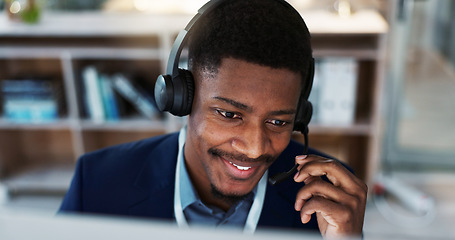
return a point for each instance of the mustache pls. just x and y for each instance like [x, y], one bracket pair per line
[266, 158]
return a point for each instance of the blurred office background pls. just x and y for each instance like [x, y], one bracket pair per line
[384, 96]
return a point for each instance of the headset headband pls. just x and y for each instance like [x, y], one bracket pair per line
[174, 56]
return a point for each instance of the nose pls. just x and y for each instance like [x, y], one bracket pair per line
[251, 141]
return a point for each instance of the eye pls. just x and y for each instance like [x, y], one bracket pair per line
[227, 114]
[278, 123]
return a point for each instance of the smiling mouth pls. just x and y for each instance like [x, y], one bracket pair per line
[240, 167]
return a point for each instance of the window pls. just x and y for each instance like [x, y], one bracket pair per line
[420, 130]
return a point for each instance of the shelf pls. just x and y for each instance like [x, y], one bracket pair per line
[97, 138]
[125, 125]
[56, 24]
[360, 22]
[86, 52]
[359, 46]
[26, 148]
[59, 124]
[357, 54]
[132, 24]
[47, 180]
[47, 68]
[358, 129]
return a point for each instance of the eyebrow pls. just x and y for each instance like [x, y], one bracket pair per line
[235, 104]
[283, 112]
[244, 107]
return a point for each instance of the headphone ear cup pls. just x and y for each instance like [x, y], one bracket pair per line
[303, 116]
[187, 92]
[175, 94]
[308, 113]
[164, 93]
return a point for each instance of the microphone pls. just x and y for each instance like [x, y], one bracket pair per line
[277, 178]
[280, 177]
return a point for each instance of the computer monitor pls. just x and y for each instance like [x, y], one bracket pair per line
[28, 225]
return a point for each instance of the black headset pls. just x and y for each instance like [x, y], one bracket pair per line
[174, 91]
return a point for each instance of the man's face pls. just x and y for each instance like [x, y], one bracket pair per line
[241, 120]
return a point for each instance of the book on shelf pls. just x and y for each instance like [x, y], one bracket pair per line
[136, 95]
[92, 94]
[28, 100]
[109, 98]
[105, 94]
[335, 91]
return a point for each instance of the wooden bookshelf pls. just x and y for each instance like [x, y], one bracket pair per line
[61, 45]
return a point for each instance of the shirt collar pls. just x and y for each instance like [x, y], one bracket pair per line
[187, 192]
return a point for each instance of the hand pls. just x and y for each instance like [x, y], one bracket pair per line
[338, 204]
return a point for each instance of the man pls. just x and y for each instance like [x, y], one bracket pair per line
[249, 61]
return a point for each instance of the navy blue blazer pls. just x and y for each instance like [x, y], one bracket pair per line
[137, 180]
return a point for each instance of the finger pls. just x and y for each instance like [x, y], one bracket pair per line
[300, 201]
[318, 166]
[334, 214]
[305, 218]
[303, 159]
[338, 218]
[337, 174]
[300, 160]
[321, 188]
[309, 180]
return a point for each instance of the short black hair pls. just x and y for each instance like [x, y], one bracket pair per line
[265, 32]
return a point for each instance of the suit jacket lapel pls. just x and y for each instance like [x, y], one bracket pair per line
[277, 209]
[154, 186]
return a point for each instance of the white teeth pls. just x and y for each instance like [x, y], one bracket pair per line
[240, 167]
